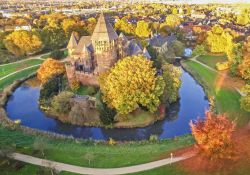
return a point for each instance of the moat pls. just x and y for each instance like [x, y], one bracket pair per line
[23, 105]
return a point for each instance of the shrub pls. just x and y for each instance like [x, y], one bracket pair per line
[111, 141]
[74, 85]
[76, 114]
[91, 90]
[222, 66]
[57, 54]
[214, 135]
[244, 69]
[61, 102]
[245, 100]
[199, 50]
[107, 115]
[153, 138]
[52, 87]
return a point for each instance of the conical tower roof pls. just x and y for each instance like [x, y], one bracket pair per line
[72, 42]
[124, 38]
[103, 30]
[146, 54]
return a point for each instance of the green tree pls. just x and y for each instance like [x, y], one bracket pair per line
[107, 115]
[171, 76]
[245, 100]
[53, 37]
[23, 42]
[40, 145]
[199, 50]
[61, 102]
[237, 59]
[131, 83]
[178, 48]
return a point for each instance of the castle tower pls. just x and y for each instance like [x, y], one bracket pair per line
[72, 44]
[104, 41]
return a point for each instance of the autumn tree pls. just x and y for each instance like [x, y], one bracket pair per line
[213, 135]
[71, 25]
[53, 37]
[243, 18]
[61, 102]
[142, 29]
[171, 76]
[219, 41]
[245, 100]
[178, 48]
[172, 21]
[131, 83]
[50, 68]
[22, 43]
[125, 27]
[244, 66]
[236, 58]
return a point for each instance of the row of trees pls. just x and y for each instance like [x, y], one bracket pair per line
[49, 33]
[143, 29]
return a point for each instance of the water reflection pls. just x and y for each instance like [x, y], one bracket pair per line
[23, 104]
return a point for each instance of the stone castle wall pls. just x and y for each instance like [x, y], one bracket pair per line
[83, 78]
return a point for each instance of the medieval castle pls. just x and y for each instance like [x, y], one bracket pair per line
[92, 55]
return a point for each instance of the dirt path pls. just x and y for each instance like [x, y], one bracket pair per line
[97, 171]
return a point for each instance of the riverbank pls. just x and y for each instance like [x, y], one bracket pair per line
[227, 99]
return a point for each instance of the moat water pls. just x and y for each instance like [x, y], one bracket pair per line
[23, 105]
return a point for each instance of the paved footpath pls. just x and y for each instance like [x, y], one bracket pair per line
[214, 70]
[97, 171]
[6, 76]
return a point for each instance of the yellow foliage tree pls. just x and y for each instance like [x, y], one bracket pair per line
[124, 26]
[172, 21]
[142, 29]
[220, 41]
[130, 83]
[244, 66]
[243, 18]
[49, 69]
[22, 42]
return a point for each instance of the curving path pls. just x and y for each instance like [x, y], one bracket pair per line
[6, 76]
[214, 70]
[97, 171]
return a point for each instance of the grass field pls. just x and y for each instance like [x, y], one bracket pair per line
[211, 60]
[9, 80]
[227, 99]
[72, 152]
[9, 68]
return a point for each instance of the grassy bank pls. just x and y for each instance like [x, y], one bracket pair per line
[227, 99]
[10, 68]
[72, 152]
[9, 80]
[211, 60]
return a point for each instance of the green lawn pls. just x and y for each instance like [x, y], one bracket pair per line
[227, 99]
[106, 156]
[9, 68]
[211, 60]
[9, 80]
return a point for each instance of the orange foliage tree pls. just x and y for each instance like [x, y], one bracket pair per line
[49, 69]
[213, 135]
